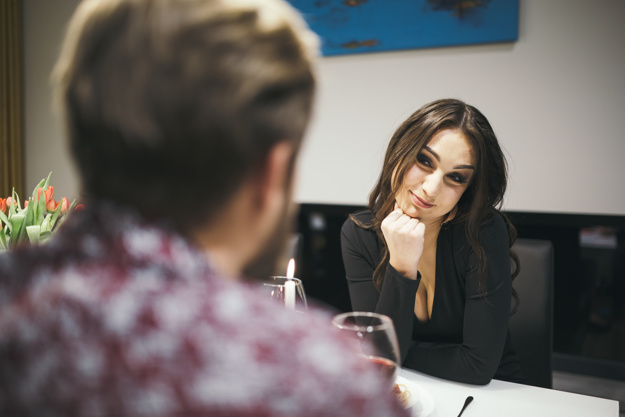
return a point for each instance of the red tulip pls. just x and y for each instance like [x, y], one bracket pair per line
[3, 205]
[26, 203]
[52, 205]
[64, 206]
[49, 193]
[79, 207]
[9, 201]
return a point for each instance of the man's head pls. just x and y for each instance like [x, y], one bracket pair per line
[171, 106]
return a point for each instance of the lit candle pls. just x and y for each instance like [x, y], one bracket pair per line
[289, 286]
[290, 269]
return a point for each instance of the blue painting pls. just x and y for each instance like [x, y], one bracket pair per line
[357, 26]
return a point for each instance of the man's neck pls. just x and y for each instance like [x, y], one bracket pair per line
[228, 238]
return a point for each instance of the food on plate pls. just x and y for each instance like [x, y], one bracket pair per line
[403, 394]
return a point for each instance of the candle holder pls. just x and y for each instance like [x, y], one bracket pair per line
[288, 291]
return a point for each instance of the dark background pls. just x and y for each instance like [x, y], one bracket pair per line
[589, 280]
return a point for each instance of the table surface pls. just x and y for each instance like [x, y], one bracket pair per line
[500, 398]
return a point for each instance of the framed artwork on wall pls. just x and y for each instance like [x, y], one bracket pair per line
[360, 26]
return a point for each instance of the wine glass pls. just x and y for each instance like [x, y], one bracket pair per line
[376, 338]
[288, 291]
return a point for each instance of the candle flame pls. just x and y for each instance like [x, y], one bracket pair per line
[290, 269]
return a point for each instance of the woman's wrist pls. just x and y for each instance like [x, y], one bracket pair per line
[410, 273]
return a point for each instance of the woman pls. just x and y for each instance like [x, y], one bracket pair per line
[433, 250]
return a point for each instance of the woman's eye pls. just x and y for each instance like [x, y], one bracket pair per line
[460, 179]
[424, 160]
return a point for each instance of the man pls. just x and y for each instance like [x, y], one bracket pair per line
[184, 118]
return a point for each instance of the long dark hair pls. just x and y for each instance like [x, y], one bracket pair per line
[481, 200]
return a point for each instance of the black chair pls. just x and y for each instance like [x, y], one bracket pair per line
[531, 327]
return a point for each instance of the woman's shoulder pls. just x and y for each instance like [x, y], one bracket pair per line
[492, 229]
[364, 216]
[361, 219]
[359, 239]
[495, 227]
[359, 224]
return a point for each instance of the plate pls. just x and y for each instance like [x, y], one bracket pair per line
[421, 402]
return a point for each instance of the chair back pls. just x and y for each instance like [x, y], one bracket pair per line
[531, 327]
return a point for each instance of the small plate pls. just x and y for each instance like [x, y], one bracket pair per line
[421, 402]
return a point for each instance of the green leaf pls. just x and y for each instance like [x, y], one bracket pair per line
[33, 233]
[5, 219]
[4, 244]
[12, 207]
[17, 199]
[34, 203]
[39, 205]
[43, 184]
[17, 221]
[41, 209]
[69, 210]
[45, 224]
[61, 221]
[33, 207]
[30, 218]
[54, 218]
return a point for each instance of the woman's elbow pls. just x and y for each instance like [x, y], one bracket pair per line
[480, 379]
[481, 374]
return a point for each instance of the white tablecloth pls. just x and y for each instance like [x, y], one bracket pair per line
[507, 399]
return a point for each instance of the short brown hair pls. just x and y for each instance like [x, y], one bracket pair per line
[170, 104]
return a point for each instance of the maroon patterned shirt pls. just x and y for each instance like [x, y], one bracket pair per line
[118, 317]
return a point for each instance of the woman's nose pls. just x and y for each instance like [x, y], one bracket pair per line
[432, 185]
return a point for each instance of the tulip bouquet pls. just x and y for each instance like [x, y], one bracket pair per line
[35, 222]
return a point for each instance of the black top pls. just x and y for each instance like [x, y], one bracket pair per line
[467, 337]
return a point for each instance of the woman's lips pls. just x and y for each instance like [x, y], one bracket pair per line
[420, 202]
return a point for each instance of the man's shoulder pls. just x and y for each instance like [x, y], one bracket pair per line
[237, 348]
[291, 352]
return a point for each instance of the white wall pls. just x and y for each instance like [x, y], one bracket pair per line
[556, 99]
[44, 26]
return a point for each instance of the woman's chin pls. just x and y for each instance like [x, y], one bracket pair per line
[412, 212]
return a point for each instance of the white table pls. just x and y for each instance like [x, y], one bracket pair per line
[501, 398]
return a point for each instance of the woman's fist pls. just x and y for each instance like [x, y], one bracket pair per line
[404, 237]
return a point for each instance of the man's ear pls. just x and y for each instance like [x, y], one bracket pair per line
[274, 174]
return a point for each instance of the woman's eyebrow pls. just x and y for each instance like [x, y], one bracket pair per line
[438, 158]
[434, 154]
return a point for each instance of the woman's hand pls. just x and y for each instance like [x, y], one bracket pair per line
[404, 238]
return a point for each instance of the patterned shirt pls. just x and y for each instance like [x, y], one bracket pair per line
[116, 316]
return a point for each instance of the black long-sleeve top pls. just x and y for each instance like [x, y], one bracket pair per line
[467, 338]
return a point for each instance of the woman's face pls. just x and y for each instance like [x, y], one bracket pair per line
[441, 173]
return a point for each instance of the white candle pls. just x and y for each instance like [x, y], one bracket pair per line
[289, 286]
[289, 294]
